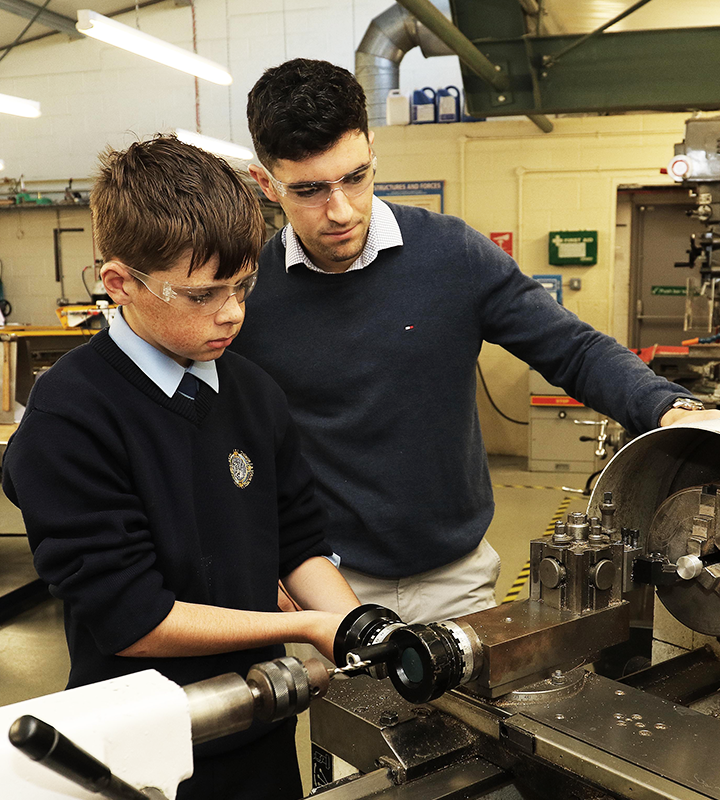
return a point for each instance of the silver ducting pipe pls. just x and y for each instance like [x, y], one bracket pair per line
[377, 59]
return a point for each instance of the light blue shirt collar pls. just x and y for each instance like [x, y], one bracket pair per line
[383, 232]
[161, 369]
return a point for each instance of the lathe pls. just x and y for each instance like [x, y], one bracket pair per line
[501, 704]
[504, 703]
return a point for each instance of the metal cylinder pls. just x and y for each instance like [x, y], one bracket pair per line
[602, 574]
[273, 690]
[689, 567]
[434, 658]
[219, 706]
[388, 38]
[552, 573]
[578, 526]
[561, 536]
[656, 465]
[364, 626]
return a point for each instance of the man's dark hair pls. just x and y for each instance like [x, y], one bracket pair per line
[161, 198]
[302, 108]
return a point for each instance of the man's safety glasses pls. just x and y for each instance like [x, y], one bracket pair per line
[316, 193]
[202, 300]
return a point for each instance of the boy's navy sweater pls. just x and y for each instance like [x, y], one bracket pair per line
[379, 368]
[130, 504]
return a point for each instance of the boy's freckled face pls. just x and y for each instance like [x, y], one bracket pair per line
[185, 336]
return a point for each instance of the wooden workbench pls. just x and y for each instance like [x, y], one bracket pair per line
[16, 376]
[6, 431]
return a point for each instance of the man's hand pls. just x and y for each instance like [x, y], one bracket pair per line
[683, 415]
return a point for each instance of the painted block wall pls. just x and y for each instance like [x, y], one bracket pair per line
[27, 258]
[93, 94]
[499, 175]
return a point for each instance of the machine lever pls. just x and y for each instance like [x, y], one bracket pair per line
[44, 744]
[369, 655]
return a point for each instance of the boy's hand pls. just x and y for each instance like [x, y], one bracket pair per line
[285, 602]
[322, 627]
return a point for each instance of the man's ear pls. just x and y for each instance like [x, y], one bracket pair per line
[117, 281]
[261, 177]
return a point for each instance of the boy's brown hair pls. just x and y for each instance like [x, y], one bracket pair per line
[161, 198]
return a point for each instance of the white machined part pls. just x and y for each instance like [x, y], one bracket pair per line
[689, 567]
[138, 725]
[466, 648]
[385, 632]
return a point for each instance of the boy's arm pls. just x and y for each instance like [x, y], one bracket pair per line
[317, 584]
[198, 630]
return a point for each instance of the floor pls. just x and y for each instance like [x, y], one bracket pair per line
[33, 656]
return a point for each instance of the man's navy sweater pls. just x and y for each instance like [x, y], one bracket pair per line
[130, 503]
[379, 368]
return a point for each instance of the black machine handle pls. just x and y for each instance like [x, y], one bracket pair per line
[44, 744]
[373, 654]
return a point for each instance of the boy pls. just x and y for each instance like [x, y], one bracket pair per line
[160, 479]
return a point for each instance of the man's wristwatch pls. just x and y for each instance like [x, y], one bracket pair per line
[688, 403]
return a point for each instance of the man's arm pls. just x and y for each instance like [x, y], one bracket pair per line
[199, 630]
[518, 314]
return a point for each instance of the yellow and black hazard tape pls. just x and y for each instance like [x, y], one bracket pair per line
[524, 486]
[524, 573]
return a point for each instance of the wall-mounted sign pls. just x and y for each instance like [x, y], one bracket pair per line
[669, 291]
[577, 248]
[554, 400]
[504, 240]
[423, 194]
[553, 284]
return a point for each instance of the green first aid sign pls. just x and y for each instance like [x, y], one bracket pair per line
[567, 248]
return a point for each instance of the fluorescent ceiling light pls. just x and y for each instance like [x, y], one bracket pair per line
[218, 146]
[19, 106]
[107, 30]
[2, 165]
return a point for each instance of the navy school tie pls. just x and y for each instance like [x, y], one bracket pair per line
[188, 386]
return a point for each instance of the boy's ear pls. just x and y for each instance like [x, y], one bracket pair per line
[261, 177]
[117, 281]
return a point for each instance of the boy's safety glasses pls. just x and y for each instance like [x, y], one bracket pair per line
[202, 300]
[316, 193]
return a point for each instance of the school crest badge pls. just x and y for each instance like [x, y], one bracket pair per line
[241, 468]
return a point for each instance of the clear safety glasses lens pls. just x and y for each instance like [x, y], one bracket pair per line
[317, 193]
[203, 300]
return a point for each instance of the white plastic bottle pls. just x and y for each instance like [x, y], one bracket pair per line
[397, 108]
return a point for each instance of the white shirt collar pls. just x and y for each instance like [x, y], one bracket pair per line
[383, 232]
[160, 368]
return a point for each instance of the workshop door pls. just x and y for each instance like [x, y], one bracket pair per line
[661, 236]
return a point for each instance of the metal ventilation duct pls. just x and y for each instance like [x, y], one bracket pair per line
[377, 59]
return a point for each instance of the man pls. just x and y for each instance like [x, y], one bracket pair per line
[371, 317]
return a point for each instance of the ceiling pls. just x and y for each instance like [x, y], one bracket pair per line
[58, 16]
[559, 16]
